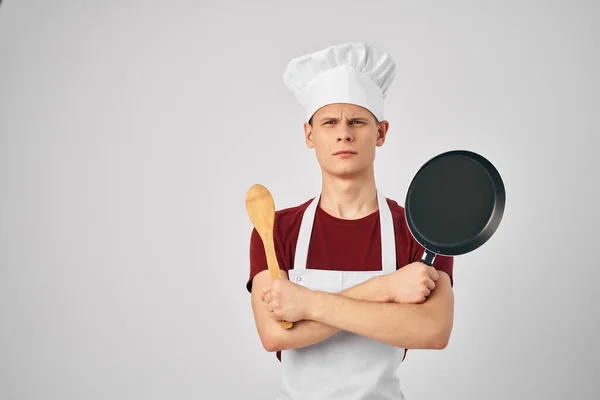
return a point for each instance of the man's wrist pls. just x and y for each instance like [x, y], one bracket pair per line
[383, 293]
[315, 304]
[377, 291]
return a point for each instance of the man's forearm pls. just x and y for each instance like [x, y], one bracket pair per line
[307, 332]
[412, 326]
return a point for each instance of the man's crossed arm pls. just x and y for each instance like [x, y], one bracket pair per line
[392, 308]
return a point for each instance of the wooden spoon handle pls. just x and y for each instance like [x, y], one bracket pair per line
[274, 269]
[272, 259]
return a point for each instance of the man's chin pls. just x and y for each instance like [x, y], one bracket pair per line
[345, 173]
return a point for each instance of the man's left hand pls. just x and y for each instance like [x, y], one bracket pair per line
[287, 300]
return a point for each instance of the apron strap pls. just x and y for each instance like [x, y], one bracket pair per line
[388, 237]
[305, 233]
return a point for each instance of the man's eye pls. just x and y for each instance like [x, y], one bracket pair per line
[357, 122]
[329, 122]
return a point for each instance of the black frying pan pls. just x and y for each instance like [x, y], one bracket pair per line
[454, 204]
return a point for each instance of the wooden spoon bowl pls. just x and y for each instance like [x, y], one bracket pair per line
[261, 211]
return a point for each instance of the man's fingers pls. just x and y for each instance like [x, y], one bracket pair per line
[267, 297]
[425, 294]
[265, 290]
[433, 274]
[430, 284]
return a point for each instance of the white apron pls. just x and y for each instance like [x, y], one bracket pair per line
[344, 366]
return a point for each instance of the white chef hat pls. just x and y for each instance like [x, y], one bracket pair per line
[355, 73]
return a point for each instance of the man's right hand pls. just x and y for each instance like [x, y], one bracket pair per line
[412, 283]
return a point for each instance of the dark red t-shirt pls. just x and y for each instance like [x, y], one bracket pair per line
[339, 244]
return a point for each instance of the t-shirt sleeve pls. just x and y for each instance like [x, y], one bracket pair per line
[258, 257]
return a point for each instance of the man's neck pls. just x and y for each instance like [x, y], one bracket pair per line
[349, 198]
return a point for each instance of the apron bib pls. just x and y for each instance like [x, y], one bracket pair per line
[344, 366]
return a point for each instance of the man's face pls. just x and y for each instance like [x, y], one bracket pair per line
[344, 137]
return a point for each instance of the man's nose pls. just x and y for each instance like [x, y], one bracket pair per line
[345, 134]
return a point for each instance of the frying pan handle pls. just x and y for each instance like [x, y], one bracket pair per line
[428, 257]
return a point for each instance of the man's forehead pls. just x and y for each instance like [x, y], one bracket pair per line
[346, 110]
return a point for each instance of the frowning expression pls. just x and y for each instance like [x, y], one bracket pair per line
[345, 137]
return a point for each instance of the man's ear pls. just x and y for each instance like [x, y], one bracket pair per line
[308, 135]
[382, 130]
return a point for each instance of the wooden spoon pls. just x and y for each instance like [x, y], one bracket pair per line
[261, 211]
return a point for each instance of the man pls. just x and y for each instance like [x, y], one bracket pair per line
[351, 283]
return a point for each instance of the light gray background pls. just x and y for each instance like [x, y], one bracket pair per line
[130, 132]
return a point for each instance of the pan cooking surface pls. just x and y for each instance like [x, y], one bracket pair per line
[451, 200]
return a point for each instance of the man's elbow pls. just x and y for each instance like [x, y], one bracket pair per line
[433, 339]
[440, 342]
[270, 341]
[270, 344]
[440, 337]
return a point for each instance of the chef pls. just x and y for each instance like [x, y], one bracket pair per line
[352, 282]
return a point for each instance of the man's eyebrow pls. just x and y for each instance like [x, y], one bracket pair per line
[349, 119]
[329, 118]
[358, 118]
